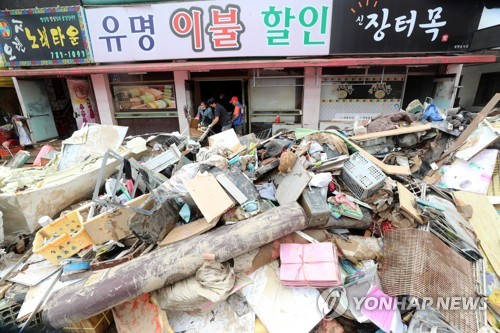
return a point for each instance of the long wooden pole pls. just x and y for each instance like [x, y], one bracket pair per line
[108, 288]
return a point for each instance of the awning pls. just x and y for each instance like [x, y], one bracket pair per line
[249, 64]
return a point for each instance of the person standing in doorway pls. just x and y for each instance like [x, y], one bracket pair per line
[237, 116]
[220, 115]
[205, 114]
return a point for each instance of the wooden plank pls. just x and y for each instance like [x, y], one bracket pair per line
[112, 225]
[472, 126]
[292, 186]
[394, 132]
[407, 201]
[187, 230]
[388, 169]
[209, 196]
[486, 224]
[231, 188]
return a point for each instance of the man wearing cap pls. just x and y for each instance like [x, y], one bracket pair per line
[237, 116]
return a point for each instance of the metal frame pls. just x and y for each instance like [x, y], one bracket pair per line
[95, 197]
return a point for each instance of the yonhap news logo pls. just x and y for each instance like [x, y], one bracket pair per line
[333, 302]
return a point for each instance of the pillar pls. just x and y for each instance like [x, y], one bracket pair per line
[103, 99]
[180, 78]
[455, 69]
[312, 97]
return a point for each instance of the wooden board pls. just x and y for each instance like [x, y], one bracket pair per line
[112, 225]
[231, 188]
[472, 126]
[292, 185]
[486, 224]
[209, 196]
[407, 201]
[398, 131]
[388, 169]
[187, 230]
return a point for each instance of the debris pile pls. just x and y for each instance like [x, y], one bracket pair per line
[389, 227]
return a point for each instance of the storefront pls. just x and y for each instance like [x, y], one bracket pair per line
[53, 105]
[296, 63]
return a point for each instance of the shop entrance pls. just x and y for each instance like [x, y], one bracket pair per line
[55, 107]
[223, 89]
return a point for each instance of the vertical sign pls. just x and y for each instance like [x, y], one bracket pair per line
[45, 36]
[82, 99]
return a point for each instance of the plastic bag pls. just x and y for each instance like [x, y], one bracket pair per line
[432, 113]
[213, 282]
[321, 179]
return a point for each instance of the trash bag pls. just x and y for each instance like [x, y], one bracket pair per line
[213, 282]
[432, 113]
[321, 179]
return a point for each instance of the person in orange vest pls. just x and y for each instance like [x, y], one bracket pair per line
[237, 116]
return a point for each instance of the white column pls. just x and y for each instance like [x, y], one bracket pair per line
[457, 70]
[103, 99]
[180, 78]
[312, 97]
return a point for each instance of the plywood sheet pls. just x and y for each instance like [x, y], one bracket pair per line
[407, 201]
[112, 225]
[209, 196]
[486, 223]
[398, 131]
[187, 230]
[292, 185]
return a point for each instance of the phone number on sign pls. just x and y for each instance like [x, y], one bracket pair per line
[69, 54]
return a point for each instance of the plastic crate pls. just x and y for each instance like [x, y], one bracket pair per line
[8, 315]
[72, 237]
[361, 176]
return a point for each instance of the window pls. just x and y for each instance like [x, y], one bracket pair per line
[144, 97]
[489, 85]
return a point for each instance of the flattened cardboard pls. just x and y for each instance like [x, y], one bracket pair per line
[187, 230]
[292, 186]
[209, 196]
[112, 225]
